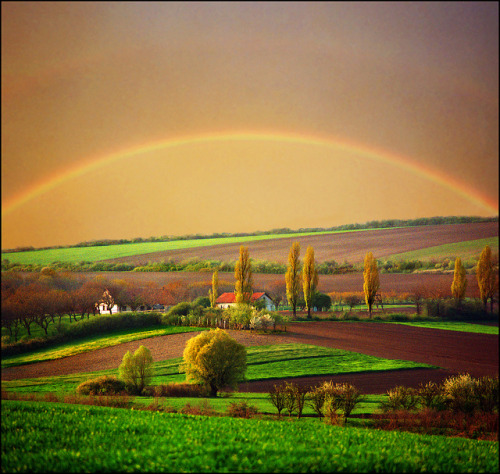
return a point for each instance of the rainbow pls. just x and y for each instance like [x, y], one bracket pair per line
[371, 153]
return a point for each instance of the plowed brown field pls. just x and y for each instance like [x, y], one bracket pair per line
[454, 352]
[399, 282]
[350, 246]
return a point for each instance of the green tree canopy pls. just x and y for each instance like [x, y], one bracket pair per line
[215, 359]
[136, 370]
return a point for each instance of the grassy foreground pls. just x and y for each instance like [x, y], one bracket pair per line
[53, 437]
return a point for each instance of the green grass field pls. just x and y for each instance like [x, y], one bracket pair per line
[53, 437]
[454, 326]
[466, 249]
[94, 254]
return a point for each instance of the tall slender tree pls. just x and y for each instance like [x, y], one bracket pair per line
[486, 277]
[243, 274]
[371, 281]
[309, 279]
[213, 294]
[292, 277]
[459, 283]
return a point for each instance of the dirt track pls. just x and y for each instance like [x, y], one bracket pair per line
[454, 352]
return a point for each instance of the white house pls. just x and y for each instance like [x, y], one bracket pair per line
[226, 300]
[107, 302]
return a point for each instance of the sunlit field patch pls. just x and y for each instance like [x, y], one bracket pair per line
[454, 326]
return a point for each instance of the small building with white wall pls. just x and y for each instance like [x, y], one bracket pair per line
[227, 300]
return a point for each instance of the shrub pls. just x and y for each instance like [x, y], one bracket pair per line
[486, 392]
[300, 393]
[290, 401]
[348, 397]
[400, 398]
[316, 397]
[331, 404]
[261, 321]
[278, 397]
[180, 390]
[105, 385]
[180, 309]
[465, 394]
[240, 315]
[459, 393]
[241, 410]
[203, 408]
[341, 396]
[399, 317]
[202, 301]
[446, 423]
[431, 395]
[155, 405]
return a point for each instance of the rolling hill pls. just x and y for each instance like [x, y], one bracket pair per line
[339, 246]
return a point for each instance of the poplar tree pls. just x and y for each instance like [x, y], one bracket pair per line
[243, 274]
[214, 292]
[292, 277]
[309, 279]
[459, 283]
[371, 281]
[486, 276]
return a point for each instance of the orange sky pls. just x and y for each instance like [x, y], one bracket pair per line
[411, 87]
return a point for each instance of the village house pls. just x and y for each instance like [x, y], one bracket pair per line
[226, 300]
[108, 302]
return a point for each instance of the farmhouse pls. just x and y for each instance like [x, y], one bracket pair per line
[108, 305]
[226, 300]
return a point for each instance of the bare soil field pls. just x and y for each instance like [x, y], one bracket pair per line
[454, 352]
[398, 282]
[350, 246]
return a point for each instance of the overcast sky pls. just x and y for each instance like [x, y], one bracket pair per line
[133, 119]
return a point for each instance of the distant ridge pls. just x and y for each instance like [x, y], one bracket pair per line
[382, 224]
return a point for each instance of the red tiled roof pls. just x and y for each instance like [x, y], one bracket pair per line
[231, 298]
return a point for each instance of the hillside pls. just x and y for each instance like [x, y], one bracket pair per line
[344, 246]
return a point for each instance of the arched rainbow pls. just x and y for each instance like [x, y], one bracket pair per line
[371, 153]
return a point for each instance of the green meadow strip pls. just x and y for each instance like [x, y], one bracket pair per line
[302, 360]
[87, 345]
[53, 437]
[94, 254]
[453, 326]
[470, 248]
[261, 401]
